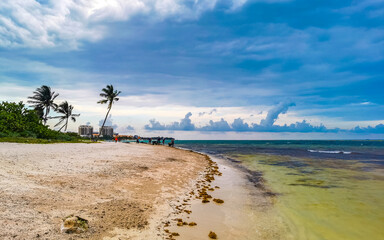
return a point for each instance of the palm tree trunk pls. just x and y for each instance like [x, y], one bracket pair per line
[61, 128]
[66, 125]
[46, 115]
[105, 119]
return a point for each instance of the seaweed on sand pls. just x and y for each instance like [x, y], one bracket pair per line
[212, 235]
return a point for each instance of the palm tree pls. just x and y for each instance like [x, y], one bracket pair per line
[65, 109]
[110, 96]
[42, 100]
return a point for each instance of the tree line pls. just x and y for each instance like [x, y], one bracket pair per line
[18, 121]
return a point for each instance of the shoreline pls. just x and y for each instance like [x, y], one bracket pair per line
[247, 211]
[131, 191]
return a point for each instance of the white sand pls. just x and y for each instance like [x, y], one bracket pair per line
[123, 190]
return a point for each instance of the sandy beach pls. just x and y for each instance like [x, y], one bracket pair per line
[123, 190]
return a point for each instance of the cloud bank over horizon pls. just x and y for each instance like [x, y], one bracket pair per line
[265, 125]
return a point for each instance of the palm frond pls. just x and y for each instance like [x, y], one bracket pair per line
[56, 117]
[102, 101]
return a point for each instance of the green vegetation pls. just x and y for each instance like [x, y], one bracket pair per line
[19, 124]
[40, 140]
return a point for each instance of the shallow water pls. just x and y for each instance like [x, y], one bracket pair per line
[325, 199]
[335, 191]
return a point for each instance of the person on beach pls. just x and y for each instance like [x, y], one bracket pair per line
[116, 139]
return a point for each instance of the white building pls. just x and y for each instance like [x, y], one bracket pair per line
[85, 131]
[106, 132]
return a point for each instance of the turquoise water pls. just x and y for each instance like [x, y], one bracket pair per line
[324, 189]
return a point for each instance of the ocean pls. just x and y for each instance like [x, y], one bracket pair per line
[321, 189]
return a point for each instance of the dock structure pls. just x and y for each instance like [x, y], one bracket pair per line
[148, 140]
[157, 140]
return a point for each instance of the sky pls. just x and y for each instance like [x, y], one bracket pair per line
[203, 69]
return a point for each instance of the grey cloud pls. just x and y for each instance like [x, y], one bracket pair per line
[377, 129]
[155, 125]
[209, 113]
[239, 125]
[185, 124]
[274, 113]
[303, 127]
[130, 128]
[221, 125]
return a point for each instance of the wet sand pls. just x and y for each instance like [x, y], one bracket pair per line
[247, 213]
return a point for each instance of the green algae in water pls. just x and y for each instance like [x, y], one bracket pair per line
[324, 199]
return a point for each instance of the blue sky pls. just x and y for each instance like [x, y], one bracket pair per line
[232, 69]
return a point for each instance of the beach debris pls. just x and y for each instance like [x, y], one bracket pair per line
[212, 235]
[175, 234]
[74, 224]
[192, 224]
[179, 224]
[217, 200]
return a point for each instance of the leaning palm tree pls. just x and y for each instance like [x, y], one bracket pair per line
[65, 109]
[42, 101]
[110, 96]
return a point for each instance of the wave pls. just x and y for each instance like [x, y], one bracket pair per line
[329, 152]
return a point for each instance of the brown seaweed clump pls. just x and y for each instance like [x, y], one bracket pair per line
[192, 224]
[188, 211]
[179, 222]
[217, 200]
[212, 235]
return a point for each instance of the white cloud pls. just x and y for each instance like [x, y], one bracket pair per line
[65, 23]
